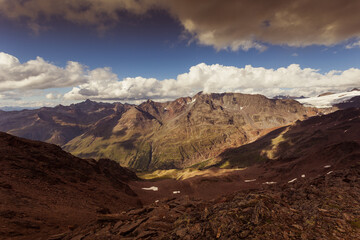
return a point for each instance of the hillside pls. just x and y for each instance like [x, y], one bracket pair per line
[331, 140]
[45, 190]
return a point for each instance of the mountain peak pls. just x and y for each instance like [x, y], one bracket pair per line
[89, 101]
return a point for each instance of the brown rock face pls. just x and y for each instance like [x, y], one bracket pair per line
[44, 189]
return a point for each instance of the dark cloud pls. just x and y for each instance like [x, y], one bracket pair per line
[234, 24]
[245, 23]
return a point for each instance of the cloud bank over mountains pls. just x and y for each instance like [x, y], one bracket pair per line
[231, 24]
[103, 84]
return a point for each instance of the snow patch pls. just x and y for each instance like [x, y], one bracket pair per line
[269, 183]
[328, 100]
[176, 192]
[192, 101]
[292, 180]
[329, 172]
[250, 180]
[241, 108]
[156, 201]
[303, 175]
[327, 166]
[153, 188]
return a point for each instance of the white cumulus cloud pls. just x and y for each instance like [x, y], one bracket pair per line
[53, 96]
[292, 80]
[21, 80]
[37, 74]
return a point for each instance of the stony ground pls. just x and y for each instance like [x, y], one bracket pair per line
[327, 207]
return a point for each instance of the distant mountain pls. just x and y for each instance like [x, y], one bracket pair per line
[46, 190]
[287, 97]
[9, 108]
[59, 124]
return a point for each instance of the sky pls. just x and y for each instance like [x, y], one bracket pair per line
[60, 52]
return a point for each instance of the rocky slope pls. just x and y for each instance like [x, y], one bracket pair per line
[186, 131]
[45, 190]
[322, 208]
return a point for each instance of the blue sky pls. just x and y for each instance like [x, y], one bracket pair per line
[160, 44]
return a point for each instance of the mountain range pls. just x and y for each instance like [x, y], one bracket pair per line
[185, 132]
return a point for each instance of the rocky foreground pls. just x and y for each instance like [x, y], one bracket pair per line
[326, 207]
